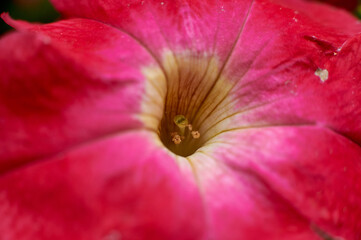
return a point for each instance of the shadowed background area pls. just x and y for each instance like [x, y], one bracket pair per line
[30, 10]
[350, 5]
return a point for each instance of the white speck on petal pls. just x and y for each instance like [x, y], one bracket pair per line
[322, 74]
[295, 19]
[162, 3]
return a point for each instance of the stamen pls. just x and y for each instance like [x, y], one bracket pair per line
[177, 139]
[182, 123]
[195, 134]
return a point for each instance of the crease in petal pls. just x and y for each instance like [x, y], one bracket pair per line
[57, 100]
[313, 168]
[239, 204]
[126, 193]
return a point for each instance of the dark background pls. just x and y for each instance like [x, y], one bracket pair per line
[30, 10]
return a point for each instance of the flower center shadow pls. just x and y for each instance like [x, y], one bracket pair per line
[185, 97]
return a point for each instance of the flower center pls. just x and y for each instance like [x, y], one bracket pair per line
[185, 136]
[184, 99]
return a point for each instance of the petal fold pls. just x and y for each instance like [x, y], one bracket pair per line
[315, 170]
[66, 83]
[108, 189]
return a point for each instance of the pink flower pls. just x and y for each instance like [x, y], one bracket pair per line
[97, 113]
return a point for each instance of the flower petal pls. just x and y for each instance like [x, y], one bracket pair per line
[324, 13]
[240, 204]
[199, 27]
[271, 66]
[276, 75]
[202, 25]
[65, 83]
[124, 187]
[315, 170]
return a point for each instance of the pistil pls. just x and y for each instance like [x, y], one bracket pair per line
[181, 122]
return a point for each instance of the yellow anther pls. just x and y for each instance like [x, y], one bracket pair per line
[195, 134]
[177, 139]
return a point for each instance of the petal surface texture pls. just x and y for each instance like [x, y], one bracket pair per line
[103, 190]
[272, 86]
[60, 89]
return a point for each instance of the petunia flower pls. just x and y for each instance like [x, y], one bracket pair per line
[211, 120]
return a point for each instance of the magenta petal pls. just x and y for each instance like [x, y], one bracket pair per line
[211, 26]
[66, 83]
[280, 158]
[239, 204]
[292, 94]
[324, 13]
[316, 171]
[274, 74]
[202, 27]
[104, 189]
